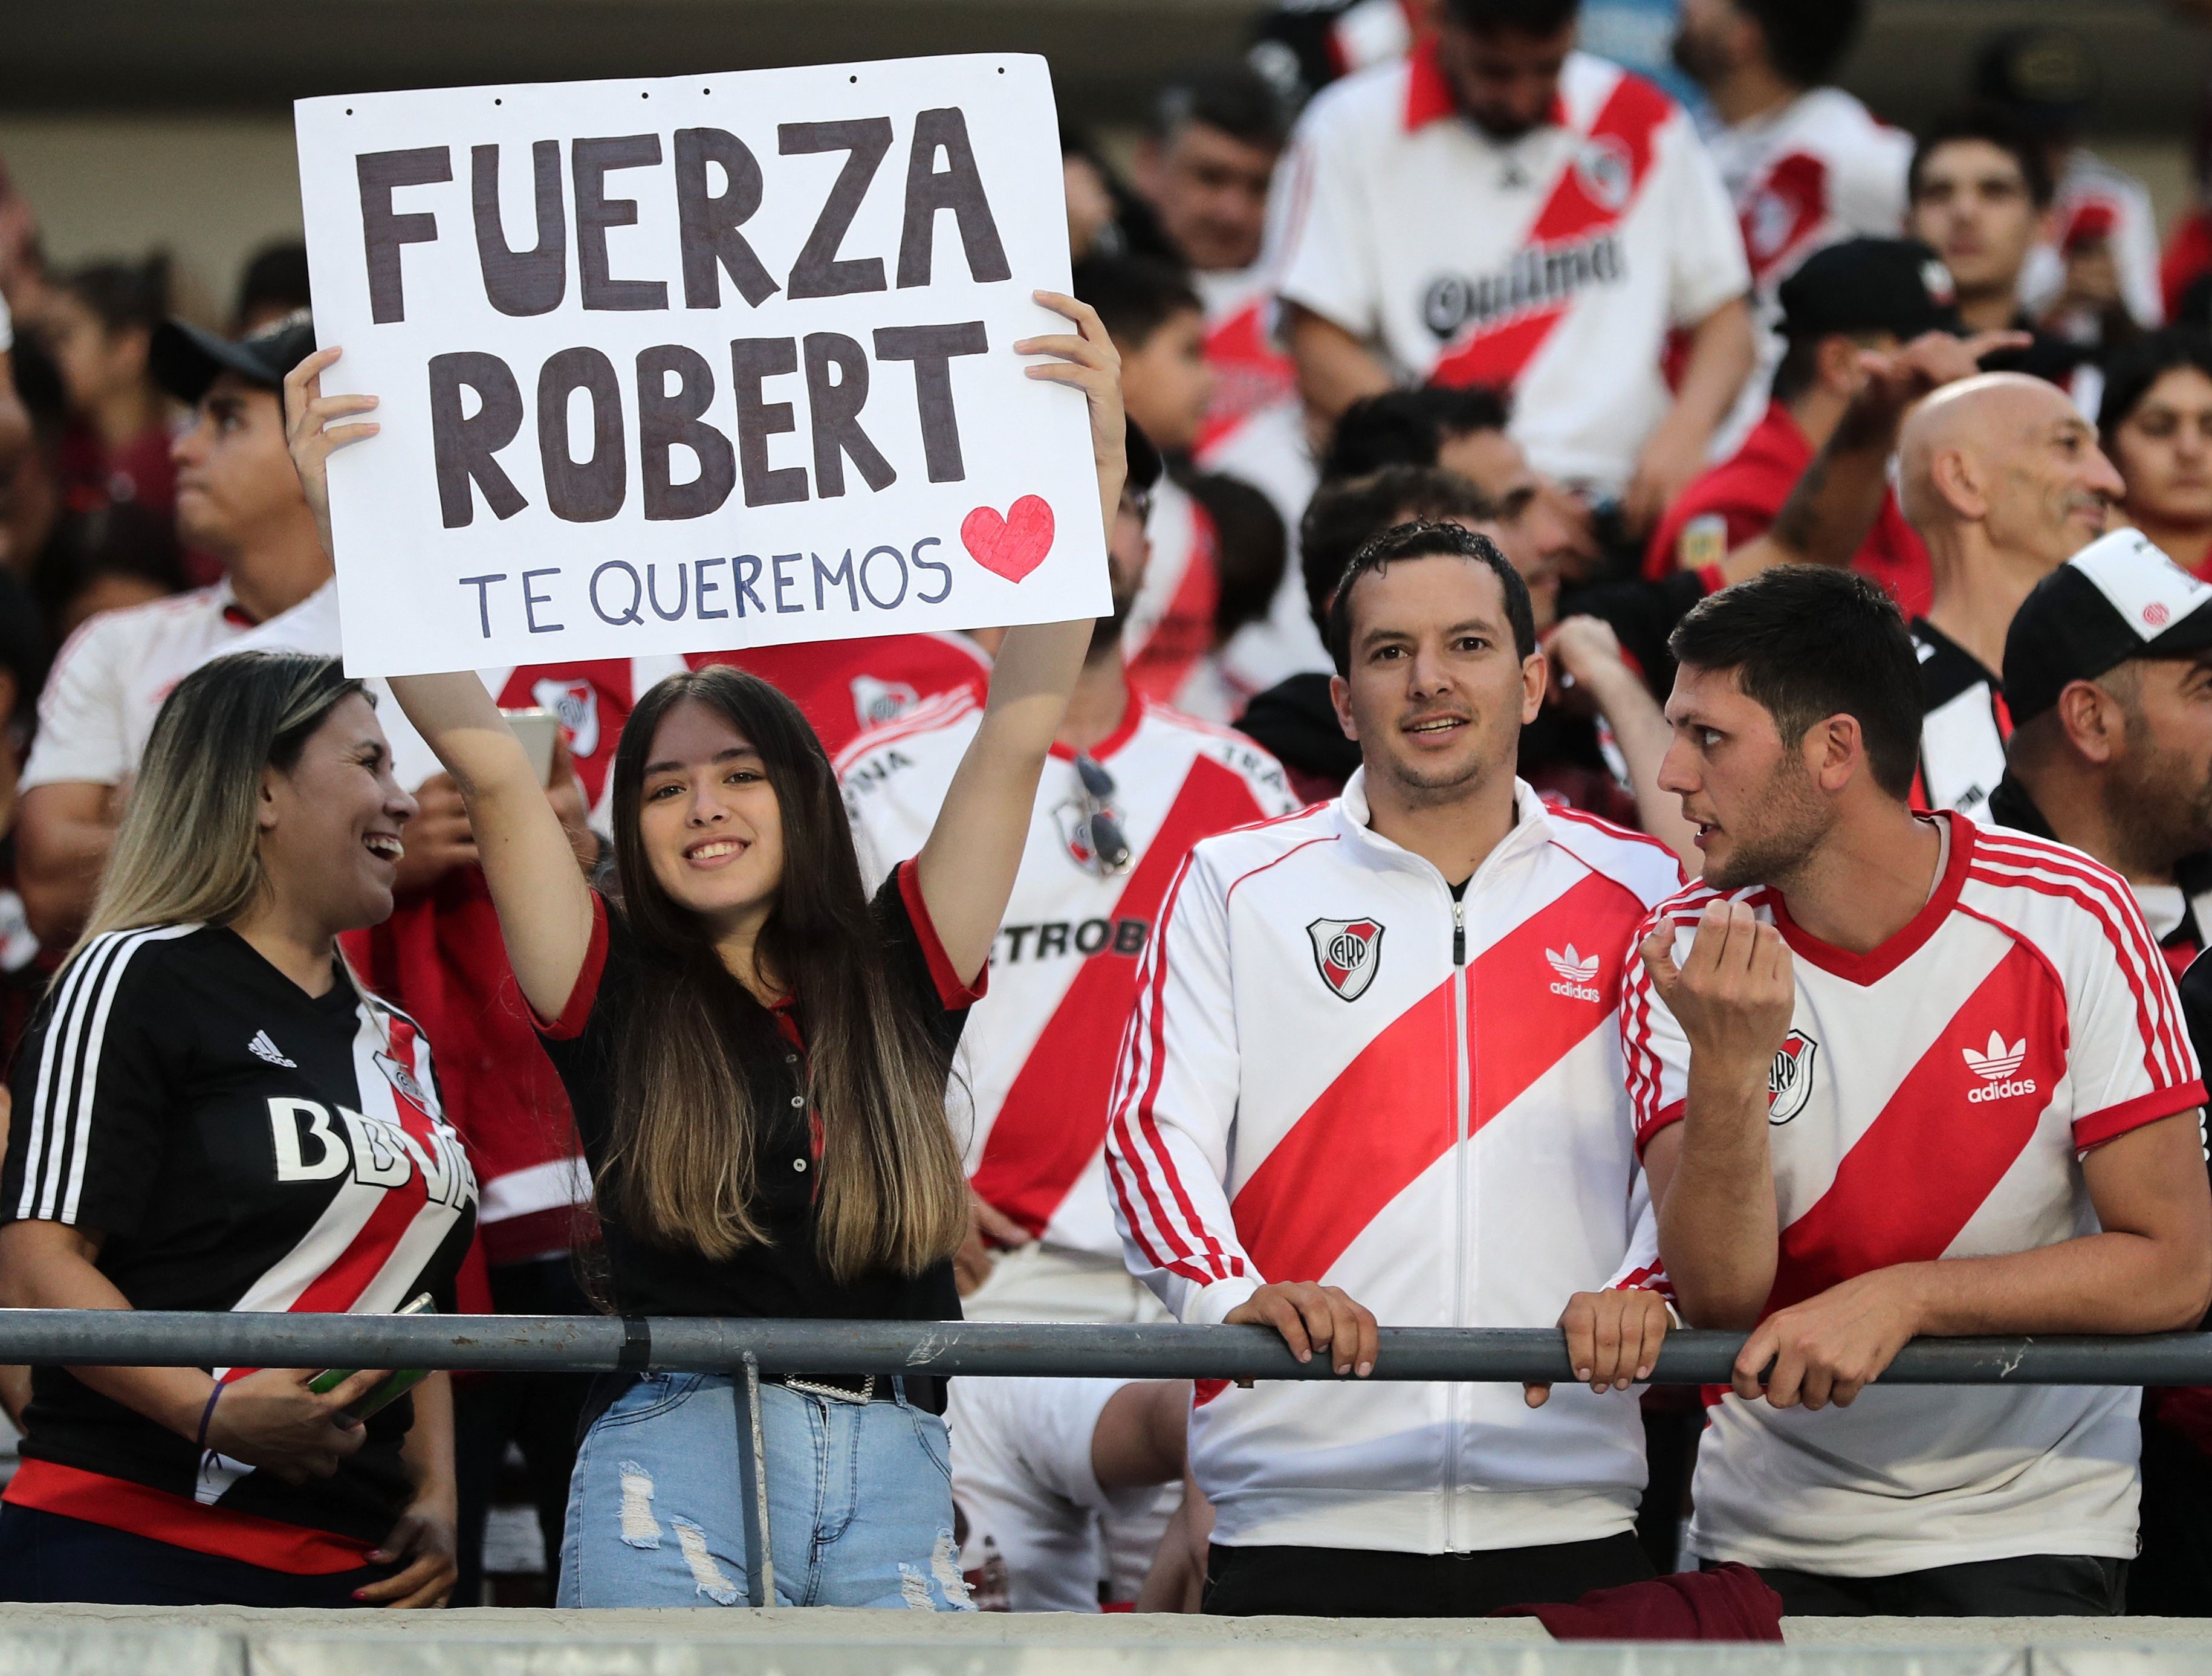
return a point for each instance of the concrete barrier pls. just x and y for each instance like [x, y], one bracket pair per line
[133, 1641]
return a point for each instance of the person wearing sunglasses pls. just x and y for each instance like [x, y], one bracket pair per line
[1131, 785]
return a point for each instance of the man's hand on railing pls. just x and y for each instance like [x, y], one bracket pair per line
[1829, 1348]
[1313, 1318]
[271, 1419]
[1613, 1339]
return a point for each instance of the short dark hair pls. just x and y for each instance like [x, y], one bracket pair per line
[1234, 98]
[1991, 125]
[1134, 296]
[112, 538]
[1808, 642]
[124, 295]
[1528, 17]
[1807, 40]
[1428, 541]
[1801, 360]
[1250, 546]
[2135, 368]
[1344, 516]
[1409, 426]
[274, 282]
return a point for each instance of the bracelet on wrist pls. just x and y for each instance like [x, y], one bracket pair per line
[207, 1415]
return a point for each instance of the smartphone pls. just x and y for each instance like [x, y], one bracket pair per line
[536, 728]
[395, 1386]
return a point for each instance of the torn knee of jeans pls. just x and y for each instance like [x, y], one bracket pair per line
[914, 1589]
[640, 1529]
[945, 1566]
[706, 1571]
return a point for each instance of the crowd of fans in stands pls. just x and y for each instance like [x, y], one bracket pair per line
[1416, 263]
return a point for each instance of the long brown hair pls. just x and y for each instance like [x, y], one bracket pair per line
[683, 1162]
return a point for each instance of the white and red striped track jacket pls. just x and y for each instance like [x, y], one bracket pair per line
[1337, 1073]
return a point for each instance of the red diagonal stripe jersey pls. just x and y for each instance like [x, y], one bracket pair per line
[1558, 262]
[1037, 1057]
[1934, 1099]
[1322, 1083]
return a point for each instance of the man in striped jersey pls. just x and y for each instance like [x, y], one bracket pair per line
[1899, 1074]
[1374, 1058]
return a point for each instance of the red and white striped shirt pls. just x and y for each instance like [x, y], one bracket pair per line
[1819, 170]
[1337, 1073]
[1037, 1056]
[1555, 263]
[1934, 1099]
[1251, 372]
[847, 687]
[1168, 637]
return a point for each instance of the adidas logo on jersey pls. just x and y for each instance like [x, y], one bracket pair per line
[1575, 970]
[1995, 1065]
[263, 1048]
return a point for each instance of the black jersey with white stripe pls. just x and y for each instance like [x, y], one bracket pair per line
[235, 1144]
[1964, 726]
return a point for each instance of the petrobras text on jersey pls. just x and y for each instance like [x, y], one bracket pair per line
[702, 361]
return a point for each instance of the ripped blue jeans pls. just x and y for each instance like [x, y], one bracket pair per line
[859, 1501]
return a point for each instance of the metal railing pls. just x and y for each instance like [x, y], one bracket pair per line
[749, 1349]
[1168, 1350]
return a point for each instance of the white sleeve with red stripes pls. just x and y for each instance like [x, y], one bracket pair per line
[1326, 251]
[1642, 1267]
[1174, 1105]
[1707, 266]
[1657, 1052]
[2129, 1059]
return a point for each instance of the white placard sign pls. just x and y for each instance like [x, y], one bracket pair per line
[716, 361]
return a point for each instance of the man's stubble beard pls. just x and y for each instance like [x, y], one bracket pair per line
[1446, 785]
[2160, 807]
[1775, 857]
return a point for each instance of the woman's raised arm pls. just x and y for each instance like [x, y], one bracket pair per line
[967, 868]
[545, 906]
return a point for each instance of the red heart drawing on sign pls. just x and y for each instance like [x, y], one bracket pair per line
[1011, 546]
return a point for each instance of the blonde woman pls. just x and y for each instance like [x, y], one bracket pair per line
[209, 1115]
[757, 1055]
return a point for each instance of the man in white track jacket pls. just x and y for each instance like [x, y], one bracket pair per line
[1375, 1057]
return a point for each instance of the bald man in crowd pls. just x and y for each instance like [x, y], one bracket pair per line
[2002, 478]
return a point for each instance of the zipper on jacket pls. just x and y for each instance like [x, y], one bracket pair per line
[1462, 1223]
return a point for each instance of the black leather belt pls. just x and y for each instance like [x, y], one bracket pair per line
[922, 1391]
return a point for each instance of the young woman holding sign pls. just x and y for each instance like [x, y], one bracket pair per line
[757, 1056]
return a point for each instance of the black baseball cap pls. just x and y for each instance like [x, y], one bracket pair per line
[2045, 77]
[1893, 285]
[184, 359]
[2119, 597]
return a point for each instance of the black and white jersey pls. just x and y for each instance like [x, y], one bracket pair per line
[1963, 727]
[237, 1145]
